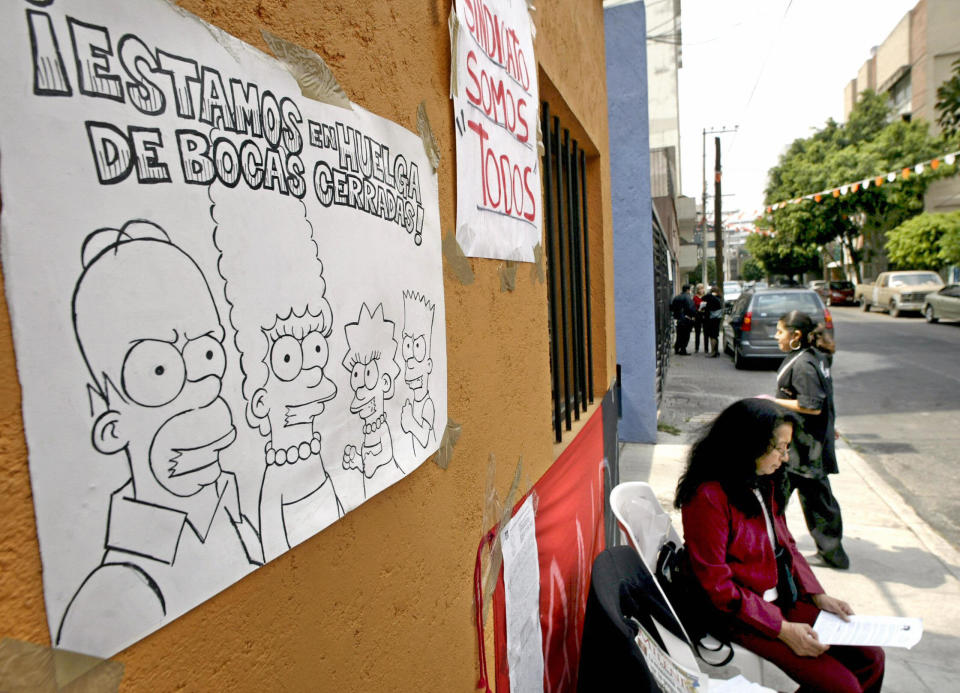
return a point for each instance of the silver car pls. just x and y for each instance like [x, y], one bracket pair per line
[943, 304]
[749, 329]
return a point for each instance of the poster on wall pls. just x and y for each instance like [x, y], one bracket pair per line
[226, 300]
[495, 103]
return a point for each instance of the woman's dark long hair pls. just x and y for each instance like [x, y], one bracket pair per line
[811, 334]
[728, 452]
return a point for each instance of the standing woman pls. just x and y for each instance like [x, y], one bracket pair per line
[698, 292]
[712, 310]
[761, 589]
[805, 386]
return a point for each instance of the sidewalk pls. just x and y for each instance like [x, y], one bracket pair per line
[899, 565]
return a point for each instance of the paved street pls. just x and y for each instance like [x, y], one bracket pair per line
[897, 385]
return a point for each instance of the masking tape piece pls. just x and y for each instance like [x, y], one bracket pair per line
[531, 9]
[451, 434]
[26, 666]
[496, 549]
[453, 23]
[457, 262]
[537, 273]
[426, 134]
[314, 76]
[508, 276]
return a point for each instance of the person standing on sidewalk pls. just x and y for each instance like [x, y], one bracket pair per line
[684, 313]
[698, 292]
[712, 311]
[742, 554]
[805, 386]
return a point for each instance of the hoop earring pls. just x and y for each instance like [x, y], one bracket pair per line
[794, 347]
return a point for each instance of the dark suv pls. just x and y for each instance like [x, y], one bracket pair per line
[749, 329]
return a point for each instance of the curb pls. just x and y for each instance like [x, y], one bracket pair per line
[929, 538]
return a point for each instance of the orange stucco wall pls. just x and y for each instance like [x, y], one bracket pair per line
[381, 600]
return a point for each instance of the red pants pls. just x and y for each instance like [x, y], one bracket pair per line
[841, 669]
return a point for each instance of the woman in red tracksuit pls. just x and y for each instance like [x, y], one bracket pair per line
[732, 501]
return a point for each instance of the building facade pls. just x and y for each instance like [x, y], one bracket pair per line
[383, 599]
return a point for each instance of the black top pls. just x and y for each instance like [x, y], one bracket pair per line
[711, 302]
[682, 306]
[805, 377]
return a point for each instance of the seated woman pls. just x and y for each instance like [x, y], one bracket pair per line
[732, 501]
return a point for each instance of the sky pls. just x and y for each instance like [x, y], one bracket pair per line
[774, 68]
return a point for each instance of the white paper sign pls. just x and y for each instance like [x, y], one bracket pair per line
[227, 307]
[881, 631]
[669, 675]
[496, 101]
[521, 582]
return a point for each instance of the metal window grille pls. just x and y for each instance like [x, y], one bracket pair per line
[568, 272]
[662, 289]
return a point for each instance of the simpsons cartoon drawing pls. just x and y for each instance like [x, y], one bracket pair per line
[150, 335]
[282, 320]
[417, 417]
[371, 362]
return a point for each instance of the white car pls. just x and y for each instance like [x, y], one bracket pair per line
[731, 292]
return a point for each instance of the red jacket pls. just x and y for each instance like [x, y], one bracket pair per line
[732, 557]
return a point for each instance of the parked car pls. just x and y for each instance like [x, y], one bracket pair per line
[898, 291]
[821, 287]
[840, 293]
[943, 304]
[731, 292]
[750, 328]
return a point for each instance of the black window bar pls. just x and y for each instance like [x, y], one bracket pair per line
[568, 269]
[663, 291]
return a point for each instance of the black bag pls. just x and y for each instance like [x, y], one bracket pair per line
[787, 593]
[694, 609]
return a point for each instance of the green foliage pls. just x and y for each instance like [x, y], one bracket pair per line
[866, 145]
[694, 276]
[917, 242]
[751, 271]
[950, 246]
[777, 256]
[948, 103]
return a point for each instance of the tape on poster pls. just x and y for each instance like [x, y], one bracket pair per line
[508, 276]
[26, 666]
[536, 269]
[426, 134]
[451, 434]
[457, 262]
[314, 76]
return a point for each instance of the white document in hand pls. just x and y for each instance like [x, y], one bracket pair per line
[885, 631]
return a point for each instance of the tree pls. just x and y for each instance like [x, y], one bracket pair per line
[950, 246]
[694, 275]
[948, 103]
[778, 257]
[751, 270]
[867, 145]
[917, 242]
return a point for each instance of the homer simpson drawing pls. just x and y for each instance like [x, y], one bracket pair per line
[149, 332]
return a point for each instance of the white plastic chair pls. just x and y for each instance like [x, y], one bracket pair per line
[647, 527]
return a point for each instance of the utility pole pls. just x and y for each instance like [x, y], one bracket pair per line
[703, 207]
[717, 219]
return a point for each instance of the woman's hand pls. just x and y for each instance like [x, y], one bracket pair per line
[802, 639]
[836, 606]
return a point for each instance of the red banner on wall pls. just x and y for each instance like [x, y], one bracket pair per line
[570, 534]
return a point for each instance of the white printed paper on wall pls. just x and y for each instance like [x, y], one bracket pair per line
[227, 307]
[495, 103]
